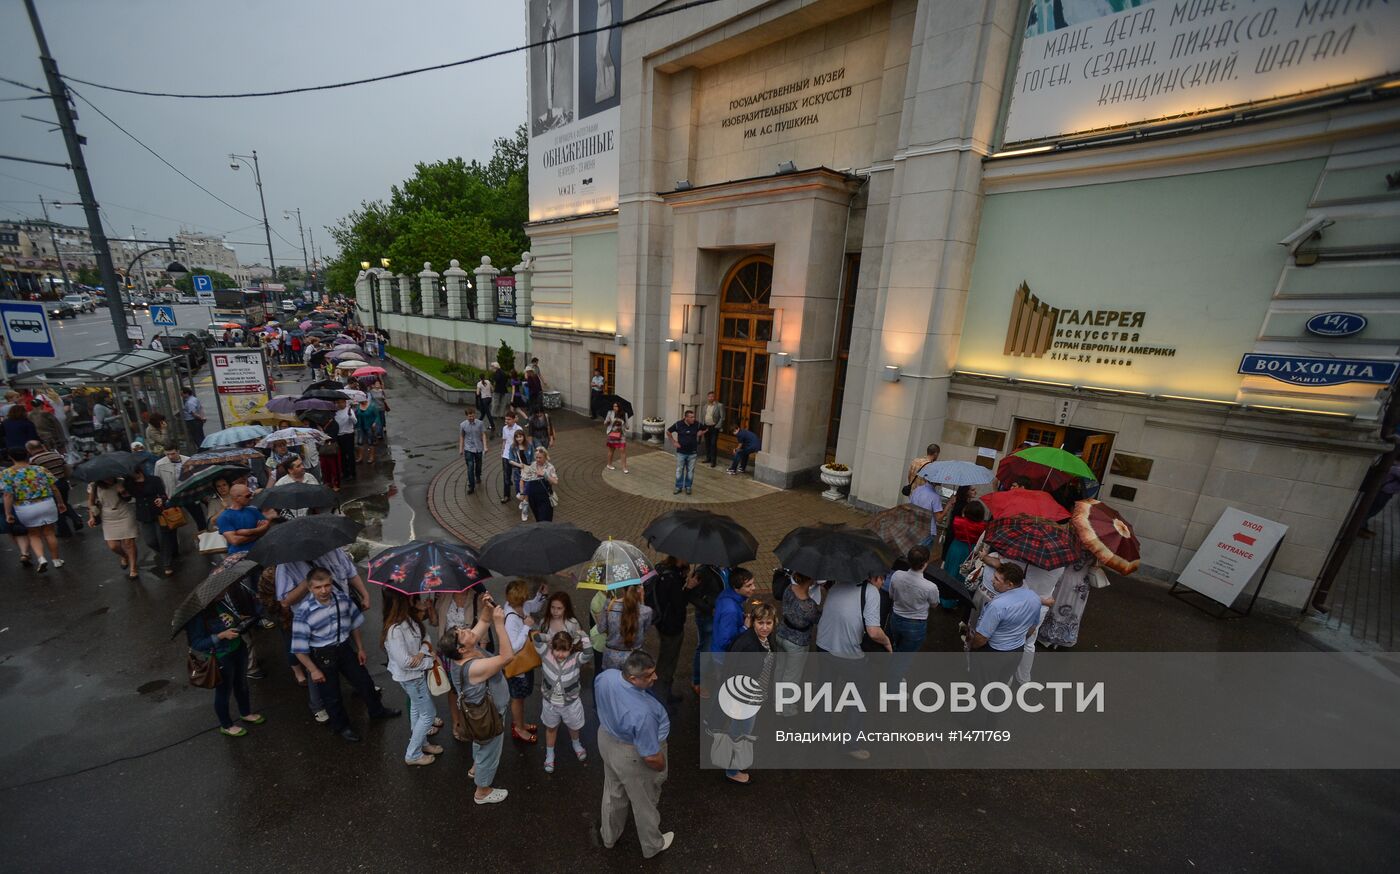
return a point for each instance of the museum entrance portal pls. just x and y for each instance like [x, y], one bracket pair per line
[1092, 446]
[745, 327]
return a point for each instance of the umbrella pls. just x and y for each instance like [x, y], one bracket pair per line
[233, 436]
[835, 552]
[903, 526]
[296, 404]
[1107, 536]
[326, 394]
[317, 417]
[368, 371]
[702, 537]
[332, 326]
[108, 465]
[616, 564]
[296, 496]
[427, 566]
[201, 483]
[347, 340]
[294, 437]
[1034, 541]
[261, 415]
[1031, 502]
[209, 591]
[303, 538]
[239, 456]
[351, 364]
[538, 548]
[323, 383]
[626, 405]
[347, 347]
[306, 324]
[356, 396]
[1044, 466]
[956, 473]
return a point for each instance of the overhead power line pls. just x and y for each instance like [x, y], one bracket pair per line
[26, 85]
[636, 19]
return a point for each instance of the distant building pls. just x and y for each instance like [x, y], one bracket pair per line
[208, 252]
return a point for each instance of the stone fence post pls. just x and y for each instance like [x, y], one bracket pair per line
[406, 294]
[388, 292]
[428, 288]
[456, 279]
[486, 290]
[523, 272]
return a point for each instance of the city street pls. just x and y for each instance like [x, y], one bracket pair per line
[93, 333]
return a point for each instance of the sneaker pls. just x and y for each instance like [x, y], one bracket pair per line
[549, 765]
[43, 565]
[432, 749]
[731, 472]
[687, 490]
[667, 839]
[611, 467]
[256, 674]
[421, 760]
[495, 796]
[26, 560]
[524, 512]
[625, 470]
[676, 492]
[267, 623]
[322, 716]
[57, 563]
[580, 752]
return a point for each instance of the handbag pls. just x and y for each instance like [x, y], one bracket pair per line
[553, 495]
[204, 672]
[1097, 578]
[437, 679]
[731, 753]
[480, 721]
[211, 543]
[524, 661]
[172, 518]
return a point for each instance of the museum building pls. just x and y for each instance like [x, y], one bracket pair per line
[1162, 235]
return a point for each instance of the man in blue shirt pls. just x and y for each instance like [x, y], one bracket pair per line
[685, 436]
[632, 731]
[1004, 624]
[748, 445]
[192, 414]
[241, 524]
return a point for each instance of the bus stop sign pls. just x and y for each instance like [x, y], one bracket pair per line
[26, 328]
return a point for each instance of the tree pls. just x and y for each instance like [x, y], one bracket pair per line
[185, 283]
[447, 209]
[292, 277]
[89, 276]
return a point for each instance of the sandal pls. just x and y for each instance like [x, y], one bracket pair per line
[526, 738]
[531, 727]
[434, 730]
[255, 719]
[133, 577]
[437, 722]
[235, 731]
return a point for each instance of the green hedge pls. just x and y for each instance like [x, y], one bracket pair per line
[452, 373]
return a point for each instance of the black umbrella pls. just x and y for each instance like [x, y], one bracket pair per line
[316, 417]
[201, 484]
[325, 394]
[208, 592]
[325, 383]
[303, 538]
[626, 405]
[296, 496]
[428, 567]
[538, 548]
[835, 552]
[701, 537]
[108, 465]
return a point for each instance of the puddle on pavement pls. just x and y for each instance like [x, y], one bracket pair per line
[388, 519]
[152, 686]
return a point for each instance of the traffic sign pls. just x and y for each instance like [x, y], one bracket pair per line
[202, 283]
[206, 298]
[27, 329]
[163, 316]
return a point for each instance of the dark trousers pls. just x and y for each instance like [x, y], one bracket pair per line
[740, 461]
[163, 541]
[69, 523]
[196, 432]
[336, 662]
[483, 412]
[668, 658]
[233, 677]
[473, 460]
[711, 444]
[347, 455]
[538, 496]
[595, 403]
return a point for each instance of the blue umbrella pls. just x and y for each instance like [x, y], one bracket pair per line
[234, 436]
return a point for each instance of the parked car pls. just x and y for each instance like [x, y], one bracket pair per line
[289, 306]
[186, 344]
[62, 310]
[80, 302]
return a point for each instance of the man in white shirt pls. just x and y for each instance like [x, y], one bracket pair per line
[595, 393]
[913, 593]
[345, 437]
[507, 440]
[483, 401]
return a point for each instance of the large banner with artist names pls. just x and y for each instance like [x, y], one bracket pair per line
[574, 97]
[1094, 64]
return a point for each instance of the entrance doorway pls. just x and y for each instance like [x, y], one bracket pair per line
[608, 365]
[1093, 446]
[745, 327]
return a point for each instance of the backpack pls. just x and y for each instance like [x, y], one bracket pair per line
[782, 578]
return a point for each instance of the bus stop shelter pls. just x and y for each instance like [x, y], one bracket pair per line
[138, 381]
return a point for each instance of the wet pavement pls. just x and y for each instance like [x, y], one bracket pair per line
[110, 760]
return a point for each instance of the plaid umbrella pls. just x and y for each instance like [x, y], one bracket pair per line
[1107, 536]
[616, 564]
[428, 566]
[1030, 502]
[1034, 541]
[244, 456]
[903, 527]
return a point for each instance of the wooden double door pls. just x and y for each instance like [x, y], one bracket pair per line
[745, 328]
[1092, 447]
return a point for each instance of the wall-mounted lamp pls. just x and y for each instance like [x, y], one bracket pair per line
[784, 168]
[784, 359]
[671, 345]
[384, 262]
[622, 339]
[683, 185]
[364, 265]
[890, 373]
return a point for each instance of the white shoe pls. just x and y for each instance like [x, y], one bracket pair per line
[495, 796]
[322, 716]
[524, 512]
[625, 470]
[58, 563]
[667, 839]
[610, 467]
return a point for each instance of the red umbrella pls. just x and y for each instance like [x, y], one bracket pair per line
[1031, 502]
[1039, 476]
[1107, 536]
[1034, 541]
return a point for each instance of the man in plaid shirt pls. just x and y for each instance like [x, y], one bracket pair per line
[323, 629]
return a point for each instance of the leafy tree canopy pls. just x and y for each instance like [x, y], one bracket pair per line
[447, 209]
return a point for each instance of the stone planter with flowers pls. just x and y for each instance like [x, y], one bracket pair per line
[652, 429]
[838, 480]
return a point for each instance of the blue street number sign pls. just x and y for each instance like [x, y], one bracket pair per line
[1336, 324]
[202, 282]
[163, 316]
[26, 328]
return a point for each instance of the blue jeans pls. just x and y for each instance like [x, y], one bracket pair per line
[514, 473]
[685, 469]
[421, 712]
[473, 460]
[705, 634]
[907, 635]
[486, 758]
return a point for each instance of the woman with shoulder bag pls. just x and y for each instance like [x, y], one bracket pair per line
[520, 675]
[216, 632]
[405, 641]
[149, 495]
[481, 688]
[537, 482]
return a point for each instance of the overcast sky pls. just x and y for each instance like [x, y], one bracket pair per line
[323, 152]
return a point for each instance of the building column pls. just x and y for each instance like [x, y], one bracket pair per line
[523, 273]
[486, 290]
[958, 58]
[428, 289]
[388, 292]
[456, 279]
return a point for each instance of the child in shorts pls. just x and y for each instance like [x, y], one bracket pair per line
[560, 663]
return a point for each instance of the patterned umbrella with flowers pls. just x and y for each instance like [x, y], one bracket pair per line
[427, 567]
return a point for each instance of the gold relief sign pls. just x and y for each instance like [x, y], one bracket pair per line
[1087, 336]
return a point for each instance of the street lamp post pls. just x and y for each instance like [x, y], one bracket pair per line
[305, 262]
[257, 177]
[53, 238]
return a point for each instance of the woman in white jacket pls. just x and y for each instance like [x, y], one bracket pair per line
[410, 658]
